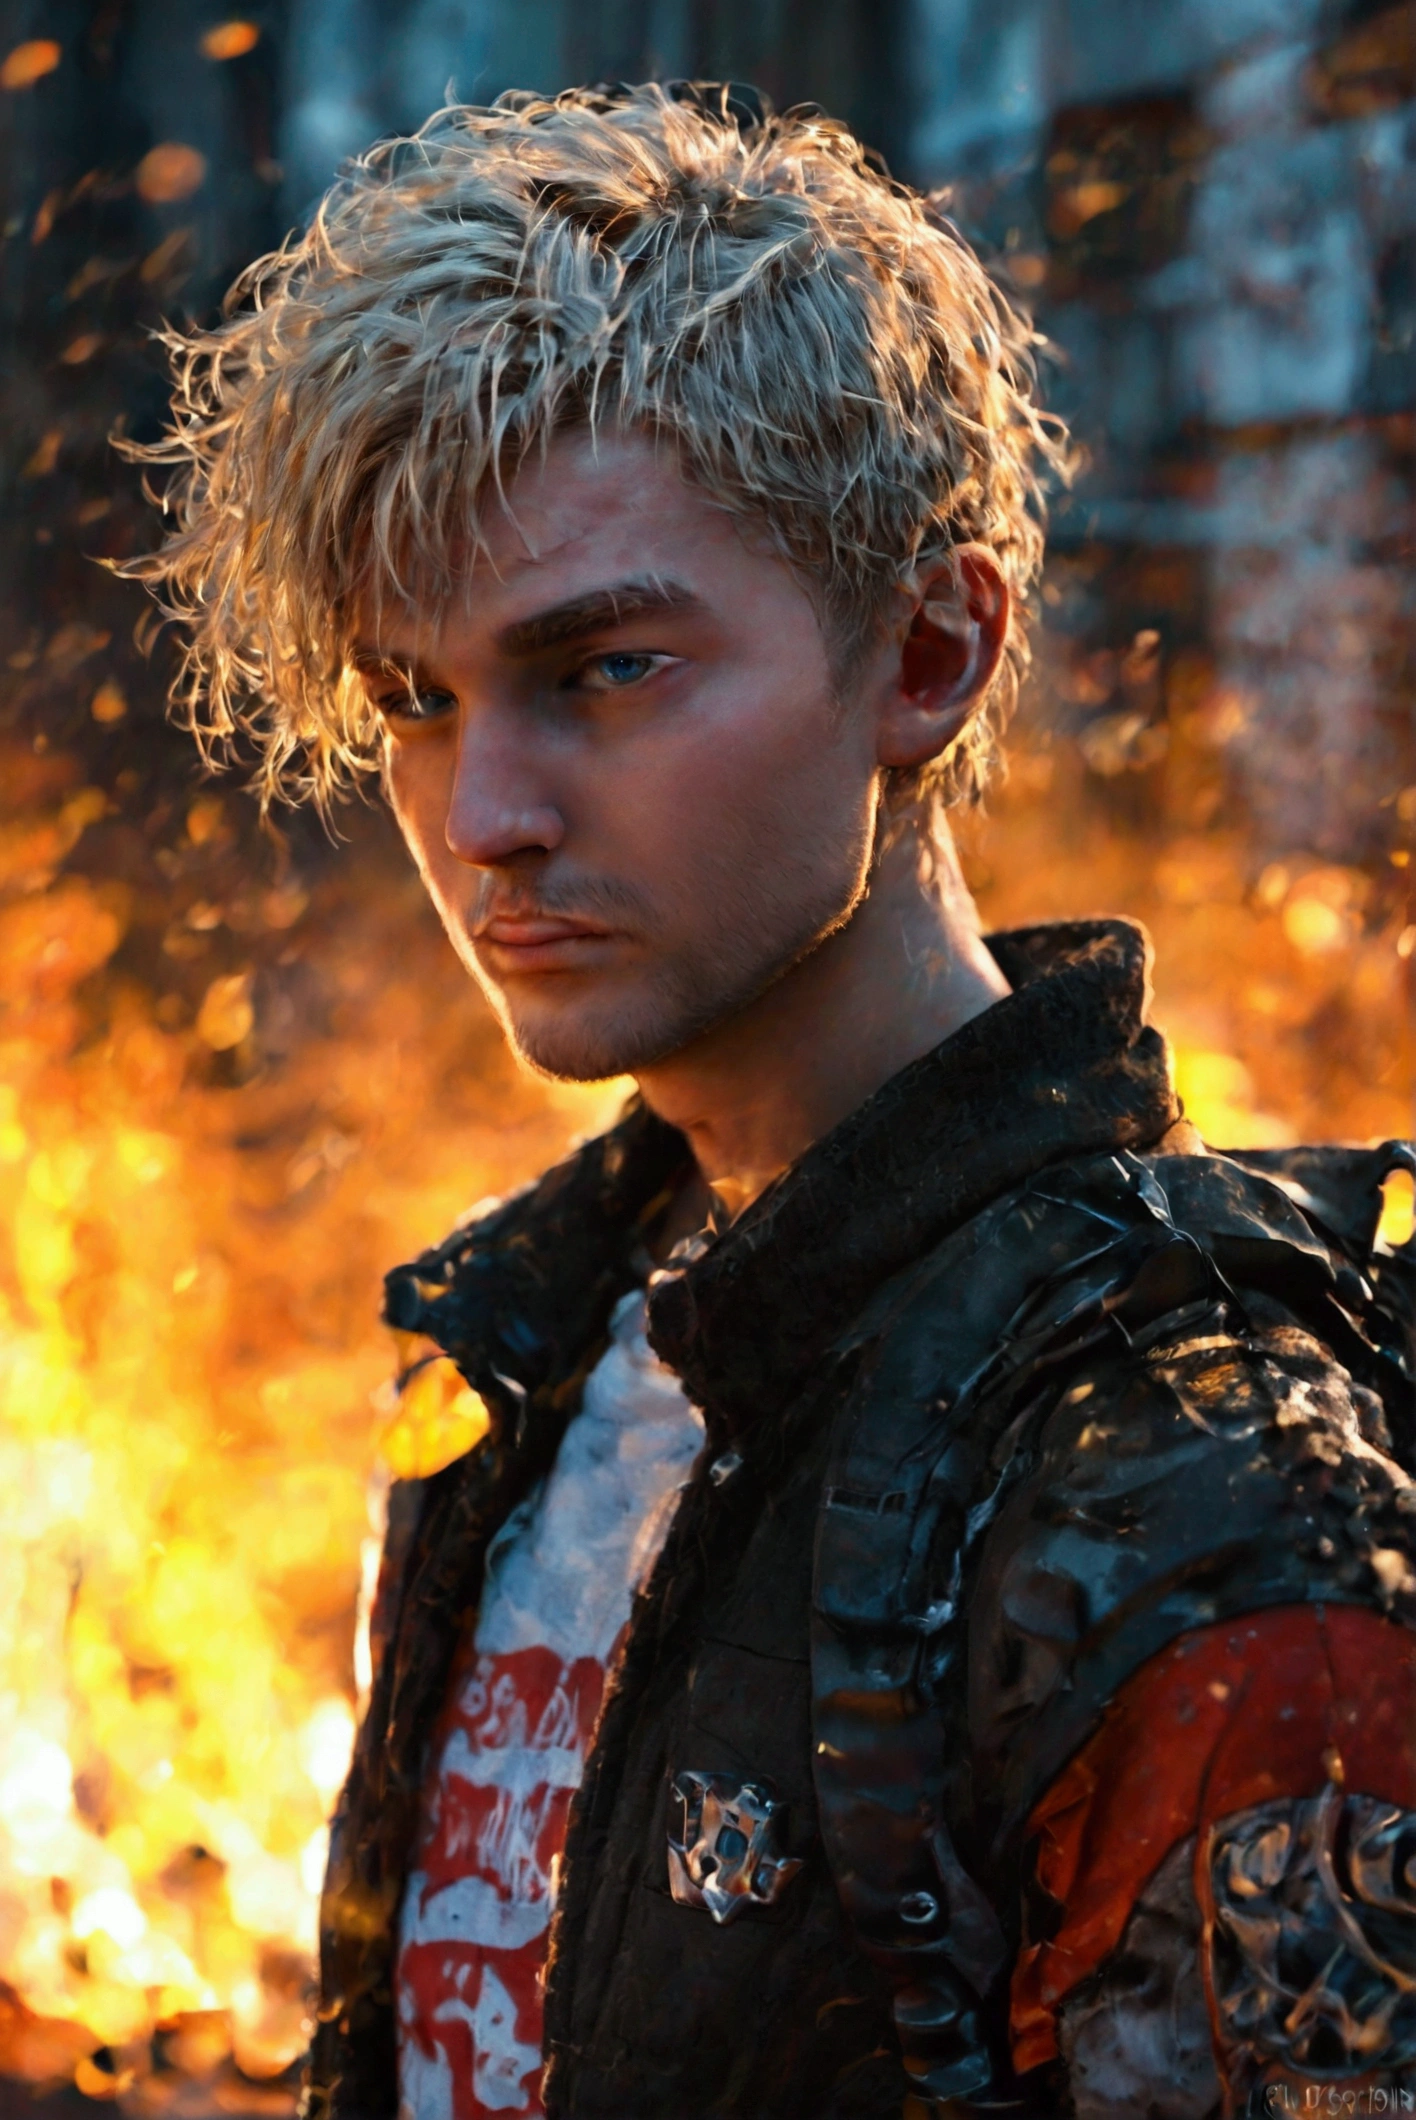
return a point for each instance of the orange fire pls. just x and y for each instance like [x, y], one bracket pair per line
[193, 1406]
[189, 1349]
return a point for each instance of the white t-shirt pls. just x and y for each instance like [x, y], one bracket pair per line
[509, 1750]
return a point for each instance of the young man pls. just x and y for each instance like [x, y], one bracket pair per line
[928, 1627]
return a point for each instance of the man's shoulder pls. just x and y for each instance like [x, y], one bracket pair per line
[1138, 1394]
[1225, 1426]
[1125, 1245]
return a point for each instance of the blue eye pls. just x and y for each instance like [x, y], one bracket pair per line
[612, 673]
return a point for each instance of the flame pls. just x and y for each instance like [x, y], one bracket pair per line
[1281, 984]
[190, 1417]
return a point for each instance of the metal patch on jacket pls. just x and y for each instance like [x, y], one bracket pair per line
[728, 1854]
[1314, 1942]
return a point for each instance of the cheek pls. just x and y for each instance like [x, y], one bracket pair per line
[790, 782]
[419, 787]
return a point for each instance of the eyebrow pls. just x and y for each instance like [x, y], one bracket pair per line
[596, 612]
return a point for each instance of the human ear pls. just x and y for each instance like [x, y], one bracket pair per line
[948, 651]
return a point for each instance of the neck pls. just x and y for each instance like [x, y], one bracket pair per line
[906, 970]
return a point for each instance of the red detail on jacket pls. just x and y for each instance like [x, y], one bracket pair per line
[1274, 1705]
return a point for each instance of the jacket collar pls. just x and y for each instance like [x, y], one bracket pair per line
[521, 1298]
[1063, 1066]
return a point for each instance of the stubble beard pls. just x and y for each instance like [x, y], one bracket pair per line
[760, 938]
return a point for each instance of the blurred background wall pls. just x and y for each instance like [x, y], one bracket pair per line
[240, 1073]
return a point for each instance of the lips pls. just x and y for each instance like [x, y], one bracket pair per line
[526, 942]
[524, 931]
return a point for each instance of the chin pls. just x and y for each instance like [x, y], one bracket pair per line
[584, 1049]
[613, 1034]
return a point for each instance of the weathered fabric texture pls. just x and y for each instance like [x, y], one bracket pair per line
[1154, 1431]
[1136, 2037]
[1070, 1439]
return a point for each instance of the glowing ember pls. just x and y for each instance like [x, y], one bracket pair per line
[169, 172]
[30, 62]
[230, 40]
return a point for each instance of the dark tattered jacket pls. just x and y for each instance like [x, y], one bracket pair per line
[1007, 1387]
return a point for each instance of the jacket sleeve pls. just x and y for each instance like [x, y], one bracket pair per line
[1192, 1666]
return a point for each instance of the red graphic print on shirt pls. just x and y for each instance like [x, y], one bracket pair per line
[511, 1749]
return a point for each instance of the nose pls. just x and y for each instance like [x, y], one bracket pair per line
[497, 809]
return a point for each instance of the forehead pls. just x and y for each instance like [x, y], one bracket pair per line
[577, 520]
[589, 512]
[604, 505]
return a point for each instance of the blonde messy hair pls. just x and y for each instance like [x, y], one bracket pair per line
[824, 350]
